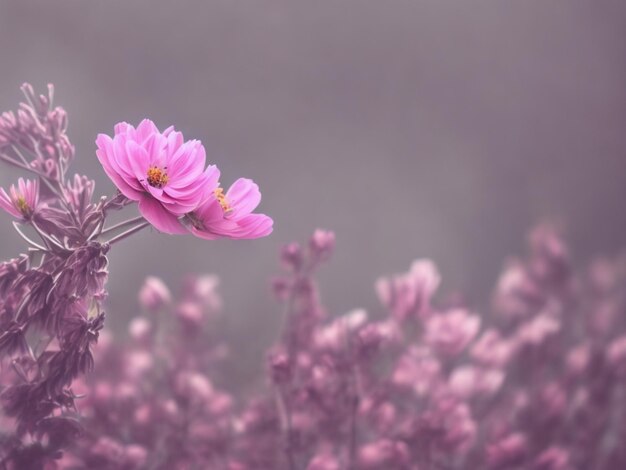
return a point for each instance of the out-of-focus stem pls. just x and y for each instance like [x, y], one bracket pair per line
[354, 400]
[287, 312]
[286, 425]
[354, 407]
[299, 276]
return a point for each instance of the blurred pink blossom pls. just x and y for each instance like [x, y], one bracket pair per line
[408, 295]
[154, 294]
[451, 332]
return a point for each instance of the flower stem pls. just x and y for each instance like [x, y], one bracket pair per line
[128, 233]
[16, 163]
[47, 238]
[121, 224]
[354, 407]
[26, 239]
[286, 425]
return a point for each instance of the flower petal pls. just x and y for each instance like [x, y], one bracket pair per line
[243, 196]
[105, 155]
[154, 212]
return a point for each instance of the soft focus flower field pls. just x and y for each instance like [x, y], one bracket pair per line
[536, 382]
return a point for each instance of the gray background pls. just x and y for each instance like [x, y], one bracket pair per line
[441, 129]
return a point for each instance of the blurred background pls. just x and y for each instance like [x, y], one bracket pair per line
[412, 129]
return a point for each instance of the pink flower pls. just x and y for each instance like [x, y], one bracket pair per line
[22, 200]
[468, 381]
[154, 294]
[536, 331]
[322, 244]
[408, 295]
[492, 350]
[508, 451]
[383, 453]
[230, 215]
[616, 353]
[450, 333]
[553, 458]
[160, 171]
[418, 369]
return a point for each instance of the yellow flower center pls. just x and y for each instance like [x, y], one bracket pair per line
[157, 178]
[221, 199]
[22, 205]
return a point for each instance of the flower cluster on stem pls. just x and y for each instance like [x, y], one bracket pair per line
[51, 298]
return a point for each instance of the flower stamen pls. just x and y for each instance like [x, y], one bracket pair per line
[157, 178]
[221, 199]
[22, 206]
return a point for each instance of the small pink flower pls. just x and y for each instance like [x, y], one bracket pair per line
[616, 354]
[21, 201]
[508, 451]
[230, 215]
[408, 295]
[418, 369]
[160, 171]
[154, 294]
[450, 333]
[468, 381]
[383, 453]
[553, 458]
[492, 349]
[322, 244]
[536, 331]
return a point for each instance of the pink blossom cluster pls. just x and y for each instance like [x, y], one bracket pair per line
[167, 177]
[536, 383]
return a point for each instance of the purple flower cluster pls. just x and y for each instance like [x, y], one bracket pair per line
[537, 384]
[50, 298]
[154, 401]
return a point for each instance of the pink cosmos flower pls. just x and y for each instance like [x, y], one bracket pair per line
[21, 201]
[230, 215]
[162, 172]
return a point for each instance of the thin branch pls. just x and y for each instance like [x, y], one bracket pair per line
[19, 154]
[128, 233]
[287, 428]
[47, 238]
[28, 240]
[121, 224]
[16, 163]
[24, 166]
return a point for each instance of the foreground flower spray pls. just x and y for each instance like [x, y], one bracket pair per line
[51, 298]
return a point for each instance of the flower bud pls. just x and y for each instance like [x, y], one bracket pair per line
[322, 244]
[154, 294]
